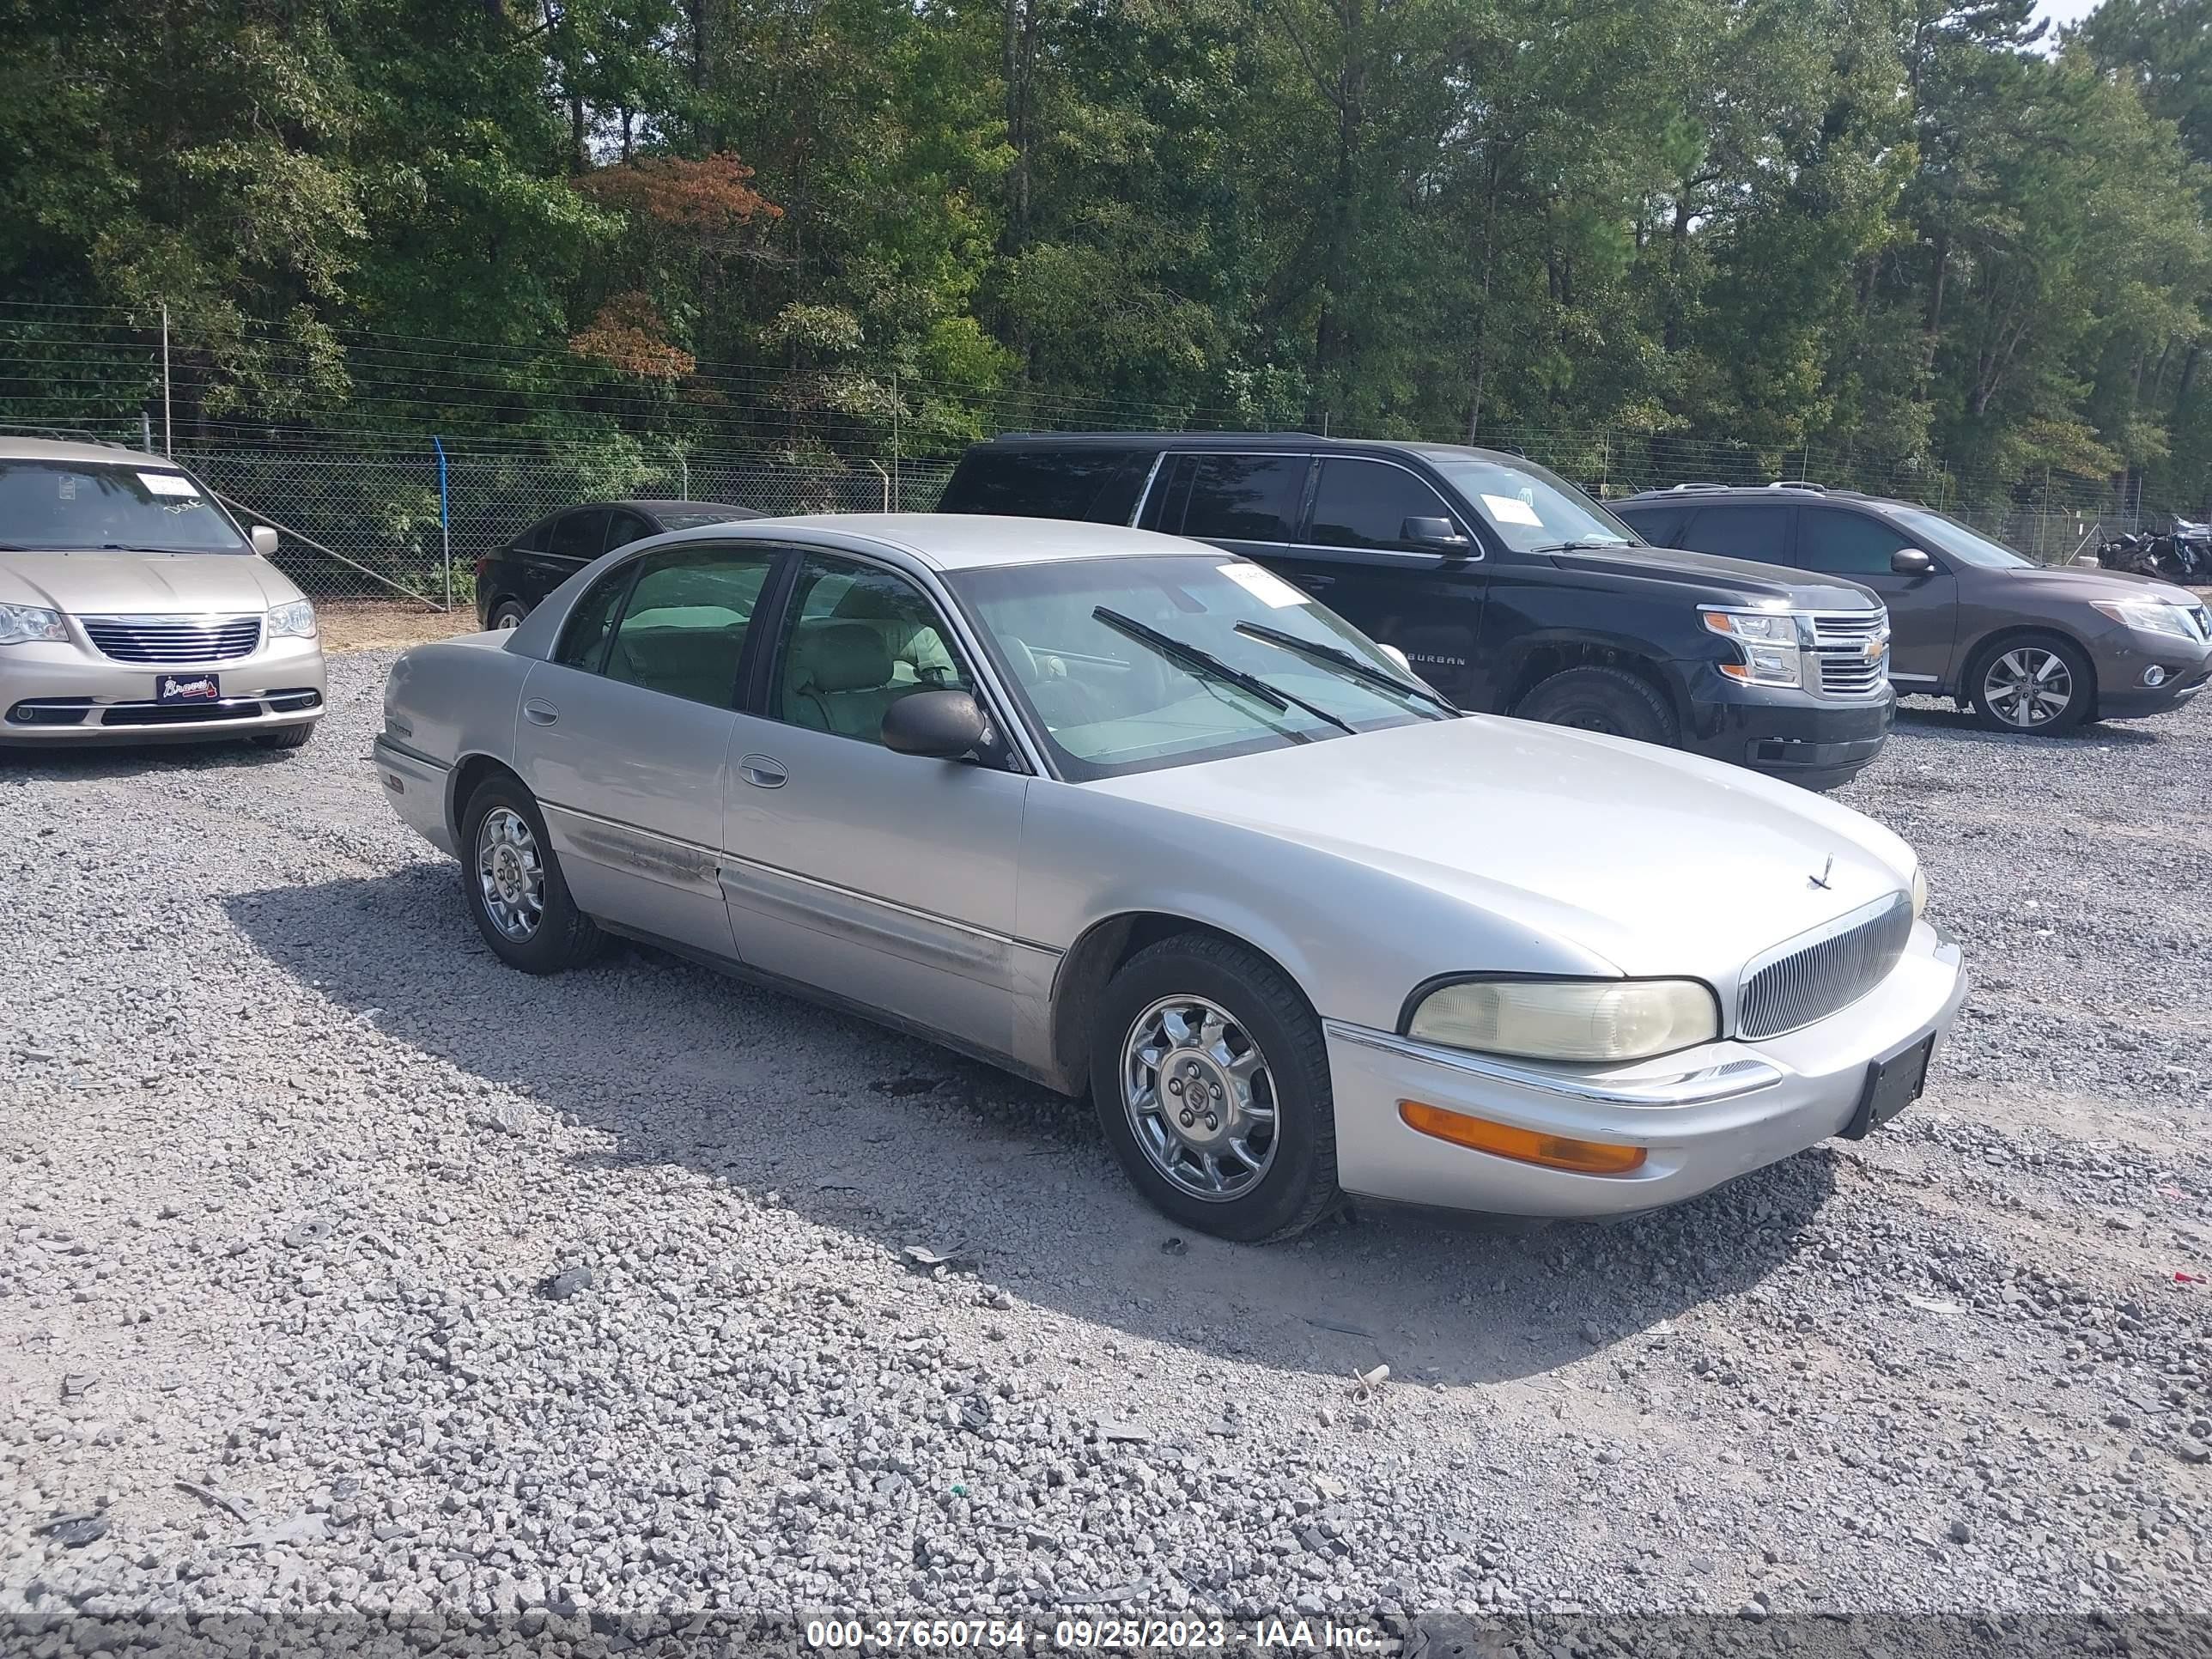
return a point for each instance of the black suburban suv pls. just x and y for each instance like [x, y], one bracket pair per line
[1506, 586]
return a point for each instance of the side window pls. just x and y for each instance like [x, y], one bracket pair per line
[1660, 525]
[584, 636]
[532, 540]
[856, 640]
[1366, 504]
[579, 535]
[1243, 498]
[1845, 542]
[1045, 483]
[624, 528]
[683, 629]
[1740, 532]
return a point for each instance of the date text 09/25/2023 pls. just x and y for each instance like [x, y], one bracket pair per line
[1095, 1635]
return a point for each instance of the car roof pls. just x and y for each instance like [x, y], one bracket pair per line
[15, 448]
[662, 504]
[1787, 489]
[971, 541]
[1302, 441]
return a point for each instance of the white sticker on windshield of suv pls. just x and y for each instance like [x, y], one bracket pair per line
[169, 483]
[1265, 586]
[1511, 509]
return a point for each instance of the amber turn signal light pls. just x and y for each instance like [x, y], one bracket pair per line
[1524, 1146]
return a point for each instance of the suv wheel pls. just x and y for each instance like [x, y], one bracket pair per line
[507, 614]
[2039, 684]
[1608, 699]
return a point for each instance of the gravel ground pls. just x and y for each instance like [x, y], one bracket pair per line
[453, 1291]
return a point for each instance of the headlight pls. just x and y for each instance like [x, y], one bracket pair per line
[296, 621]
[19, 625]
[1920, 894]
[1769, 641]
[1568, 1019]
[2151, 616]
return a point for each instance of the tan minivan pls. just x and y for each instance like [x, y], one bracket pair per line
[134, 608]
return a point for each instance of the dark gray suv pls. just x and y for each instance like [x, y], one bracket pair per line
[2029, 647]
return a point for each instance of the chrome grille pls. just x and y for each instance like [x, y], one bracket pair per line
[1811, 976]
[1841, 640]
[174, 639]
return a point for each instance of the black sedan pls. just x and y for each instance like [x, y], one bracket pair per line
[512, 580]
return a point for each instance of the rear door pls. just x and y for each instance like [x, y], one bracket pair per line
[1353, 556]
[572, 541]
[625, 735]
[1247, 503]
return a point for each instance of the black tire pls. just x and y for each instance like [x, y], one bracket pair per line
[1612, 701]
[507, 613]
[1995, 658]
[287, 736]
[1298, 1186]
[564, 937]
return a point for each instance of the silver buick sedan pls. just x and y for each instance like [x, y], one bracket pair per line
[1122, 813]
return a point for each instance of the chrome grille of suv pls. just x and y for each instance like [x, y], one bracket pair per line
[1811, 976]
[174, 639]
[1840, 639]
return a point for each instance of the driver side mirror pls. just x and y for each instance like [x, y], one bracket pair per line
[264, 539]
[936, 725]
[1439, 534]
[1911, 562]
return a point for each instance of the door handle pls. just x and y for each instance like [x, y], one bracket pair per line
[763, 772]
[539, 713]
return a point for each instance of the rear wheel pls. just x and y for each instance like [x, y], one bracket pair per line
[514, 887]
[1612, 701]
[507, 614]
[287, 736]
[1211, 1081]
[2039, 684]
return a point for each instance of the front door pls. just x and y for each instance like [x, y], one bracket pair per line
[625, 733]
[1355, 558]
[1842, 541]
[887, 879]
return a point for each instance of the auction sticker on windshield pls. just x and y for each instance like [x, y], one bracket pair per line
[168, 484]
[1265, 586]
[1511, 509]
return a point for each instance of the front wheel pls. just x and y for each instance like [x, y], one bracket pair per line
[2040, 685]
[514, 884]
[1611, 700]
[287, 736]
[1210, 1082]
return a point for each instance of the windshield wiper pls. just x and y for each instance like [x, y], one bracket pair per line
[1204, 662]
[1350, 665]
[1580, 546]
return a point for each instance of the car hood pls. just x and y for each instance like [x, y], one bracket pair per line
[1654, 861]
[1724, 581]
[142, 584]
[2073, 582]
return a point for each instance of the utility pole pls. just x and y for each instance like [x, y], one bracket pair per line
[168, 443]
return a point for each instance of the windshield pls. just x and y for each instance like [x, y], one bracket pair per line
[1108, 703]
[1531, 509]
[1946, 535]
[81, 506]
[694, 517]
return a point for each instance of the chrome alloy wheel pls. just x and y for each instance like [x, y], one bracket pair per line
[1200, 1097]
[2029, 686]
[510, 874]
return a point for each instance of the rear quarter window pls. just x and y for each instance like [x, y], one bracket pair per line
[1094, 483]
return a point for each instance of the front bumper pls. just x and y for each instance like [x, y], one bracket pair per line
[1788, 734]
[61, 692]
[1706, 1115]
[2121, 658]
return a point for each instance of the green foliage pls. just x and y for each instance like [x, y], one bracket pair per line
[1914, 231]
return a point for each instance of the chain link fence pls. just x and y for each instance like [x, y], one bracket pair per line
[410, 527]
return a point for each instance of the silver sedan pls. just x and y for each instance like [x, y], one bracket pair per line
[1129, 815]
